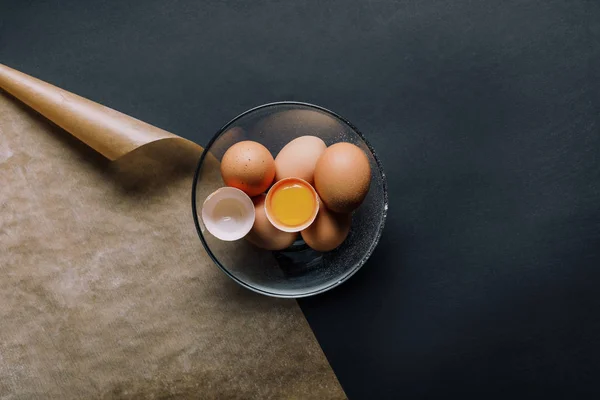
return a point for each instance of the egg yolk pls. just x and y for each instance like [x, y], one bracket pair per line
[293, 204]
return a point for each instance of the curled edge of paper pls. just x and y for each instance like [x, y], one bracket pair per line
[109, 132]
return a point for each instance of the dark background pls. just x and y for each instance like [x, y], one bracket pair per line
[486, 116]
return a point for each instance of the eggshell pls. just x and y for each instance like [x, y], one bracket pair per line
[298, 158]
[328, 231]
[283, 183]
[263, 234]
[228, 214]
[343, 177]
[248, 166]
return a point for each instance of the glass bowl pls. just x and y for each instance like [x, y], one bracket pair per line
[297, 271]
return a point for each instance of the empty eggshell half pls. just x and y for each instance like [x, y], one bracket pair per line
[228, 214]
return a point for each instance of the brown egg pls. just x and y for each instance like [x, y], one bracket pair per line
[248, 166]
[264, 234]
[298, 158]
[328, 231]
[343, 177]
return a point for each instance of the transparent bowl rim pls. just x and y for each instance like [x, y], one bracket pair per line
[308, 293]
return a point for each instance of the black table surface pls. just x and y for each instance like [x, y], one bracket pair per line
[486, 116]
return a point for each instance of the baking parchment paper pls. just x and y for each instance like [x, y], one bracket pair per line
[106, 292]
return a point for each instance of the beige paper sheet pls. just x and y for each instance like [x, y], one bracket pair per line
[106, 292]
[109, 132]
